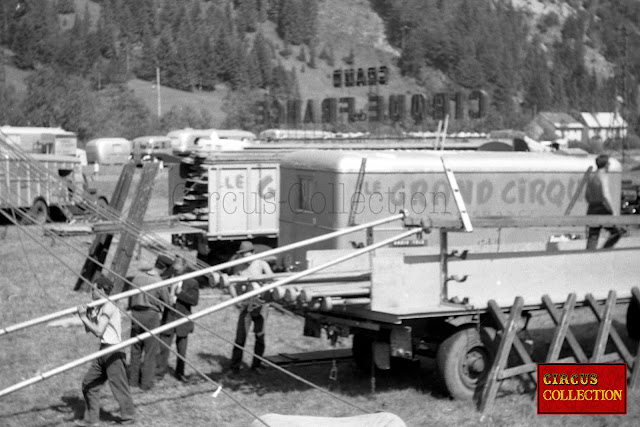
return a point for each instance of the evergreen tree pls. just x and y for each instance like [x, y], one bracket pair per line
[264, 58]
[290, 22]
[309, 22]
[207, 67]
[65, 6]
[23, 47]
[273, 10]
[167, 58]
[54, 99]
[247, 16]
[10, 112]
[263, 6]
[146, 69]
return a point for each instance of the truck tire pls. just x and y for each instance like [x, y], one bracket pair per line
[39, 212]
[633, 319]
[463, 361]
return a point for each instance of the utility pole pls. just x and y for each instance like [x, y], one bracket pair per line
[158, 91]
[625, 97]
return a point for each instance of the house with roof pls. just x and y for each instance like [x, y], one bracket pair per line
[556, 126]
[606, 125]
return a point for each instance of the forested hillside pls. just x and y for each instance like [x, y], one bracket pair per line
[527, 55]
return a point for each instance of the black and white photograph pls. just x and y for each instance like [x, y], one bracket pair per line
[319, 213]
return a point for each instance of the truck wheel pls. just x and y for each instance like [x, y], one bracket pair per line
[39, 212]
[464, 360]
[633, 319]
[362, 351]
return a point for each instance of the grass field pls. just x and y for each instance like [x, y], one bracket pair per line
[33, 282]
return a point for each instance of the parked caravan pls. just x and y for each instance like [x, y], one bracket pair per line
[237, 134]
[185, 141]
[81, 155]
[213, 144]
[151, 148]
[42, 140]
[182, 140]
[278, 134]
[109, 151]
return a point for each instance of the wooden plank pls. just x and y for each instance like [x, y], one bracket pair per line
[634, 381]
[496, 314]
[615, 337]
[561, 331]
[578, 192]
[504, 348]
[127, 242]
[539, 221]
[605, 326]
[311, 356]
[570, 337]
[100, 246]
[517, 370]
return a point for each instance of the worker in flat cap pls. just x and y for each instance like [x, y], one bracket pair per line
[104, 322]
[146, 310]
[184, 294]
[251, 310]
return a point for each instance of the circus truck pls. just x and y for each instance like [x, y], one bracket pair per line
[458, 237]
[324, 191]
[46, 184]
[274, 197]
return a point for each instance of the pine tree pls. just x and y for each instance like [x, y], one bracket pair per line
[65, 6]
[146, 69]
[207, 67]
[309, 17]
[264, 57]
[247, 16]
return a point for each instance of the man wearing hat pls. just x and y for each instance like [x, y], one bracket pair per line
[252, 310]
[147, 309]
[184, 294]
[104, 322]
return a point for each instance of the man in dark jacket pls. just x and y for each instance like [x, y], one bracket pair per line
[186, 295]
[147, 311]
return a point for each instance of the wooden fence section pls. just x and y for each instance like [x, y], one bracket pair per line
[562, 318]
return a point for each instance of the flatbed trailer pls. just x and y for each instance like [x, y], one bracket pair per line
[436, 304]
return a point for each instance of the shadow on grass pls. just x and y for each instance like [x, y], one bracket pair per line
[349, 380]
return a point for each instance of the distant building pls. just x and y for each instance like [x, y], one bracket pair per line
[604, 125]
[560, 127]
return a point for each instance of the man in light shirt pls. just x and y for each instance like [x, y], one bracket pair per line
[598, 197]
[105, 323]
[251, 310]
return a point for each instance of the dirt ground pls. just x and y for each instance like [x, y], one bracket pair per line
[36, 278]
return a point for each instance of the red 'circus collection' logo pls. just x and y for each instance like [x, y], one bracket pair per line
[582, 388]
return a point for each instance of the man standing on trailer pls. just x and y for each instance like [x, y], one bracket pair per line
[105, 323]
[600, 202]
[147, 311]
[252, 310]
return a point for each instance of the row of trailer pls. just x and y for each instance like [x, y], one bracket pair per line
[434, 236]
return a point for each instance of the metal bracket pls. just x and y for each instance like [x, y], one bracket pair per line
[457, 278]
[461, 255]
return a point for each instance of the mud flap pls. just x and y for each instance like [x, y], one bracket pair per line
[401, 343]
[312, 328]
[382, 355]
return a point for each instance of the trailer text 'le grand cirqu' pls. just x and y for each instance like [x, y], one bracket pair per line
[378, 108]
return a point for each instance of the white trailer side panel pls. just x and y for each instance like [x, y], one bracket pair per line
[243, 199]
